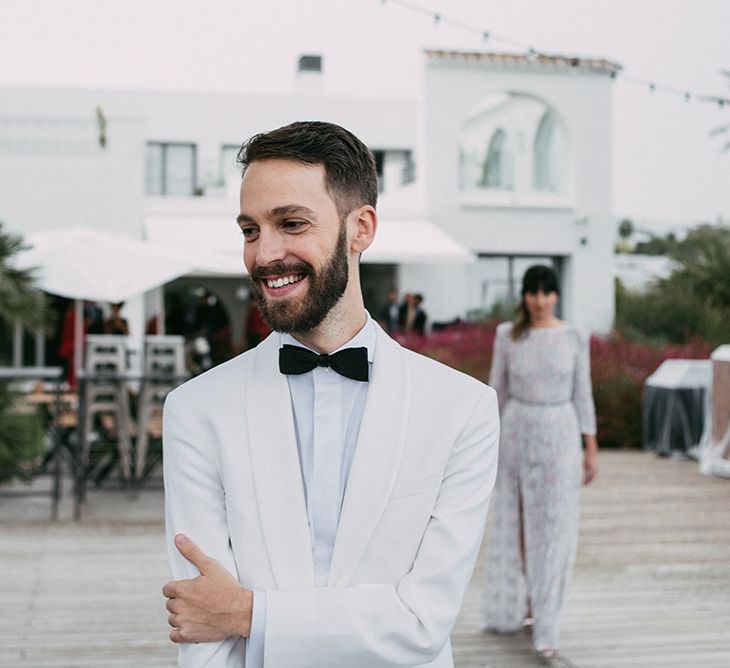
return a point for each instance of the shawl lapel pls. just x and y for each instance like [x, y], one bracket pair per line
[276, 470]
[376, 460]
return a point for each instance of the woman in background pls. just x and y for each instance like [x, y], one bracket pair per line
[541, 372]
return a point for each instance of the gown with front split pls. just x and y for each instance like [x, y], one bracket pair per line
[546, 403]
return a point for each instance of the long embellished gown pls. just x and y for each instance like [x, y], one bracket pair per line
[544, 389]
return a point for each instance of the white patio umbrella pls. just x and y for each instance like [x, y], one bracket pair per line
[83, 263]
[87, 264]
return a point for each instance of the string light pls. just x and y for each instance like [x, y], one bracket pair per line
[532, 54]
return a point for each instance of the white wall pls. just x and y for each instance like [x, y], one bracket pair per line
[576, 224]
[56, 174]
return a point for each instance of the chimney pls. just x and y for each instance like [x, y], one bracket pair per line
[309, 74]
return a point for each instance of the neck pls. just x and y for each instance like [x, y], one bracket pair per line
[341, 324]
[549, 321]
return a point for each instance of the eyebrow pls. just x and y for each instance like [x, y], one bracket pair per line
[288, 209]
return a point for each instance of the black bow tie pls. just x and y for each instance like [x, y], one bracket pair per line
[350, 362]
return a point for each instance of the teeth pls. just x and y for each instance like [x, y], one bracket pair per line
[280, 282]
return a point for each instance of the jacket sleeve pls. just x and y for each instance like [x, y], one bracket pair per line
[407, 623]
[195, 506]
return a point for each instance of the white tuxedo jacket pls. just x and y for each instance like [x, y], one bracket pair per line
[412, 516]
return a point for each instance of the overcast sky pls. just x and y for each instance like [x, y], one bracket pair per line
[666, 165]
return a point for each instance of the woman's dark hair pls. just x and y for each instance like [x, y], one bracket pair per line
[350, 175]
[536, 278]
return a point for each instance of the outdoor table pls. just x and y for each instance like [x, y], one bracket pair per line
[85, 378]
[674, 406]
[53, 376]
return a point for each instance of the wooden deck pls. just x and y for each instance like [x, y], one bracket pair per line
[652, 582]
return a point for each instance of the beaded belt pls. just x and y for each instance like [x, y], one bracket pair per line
[538, 403]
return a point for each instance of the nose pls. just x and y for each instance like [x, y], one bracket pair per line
[269, 248]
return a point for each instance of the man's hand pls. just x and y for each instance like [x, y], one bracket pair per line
[212, 606]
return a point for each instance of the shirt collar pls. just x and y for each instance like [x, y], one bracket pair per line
[365, 338]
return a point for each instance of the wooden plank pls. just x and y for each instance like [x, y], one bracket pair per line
[651, 590]
[652, 579]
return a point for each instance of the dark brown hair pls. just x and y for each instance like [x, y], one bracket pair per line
[350, 175]
[537, 277]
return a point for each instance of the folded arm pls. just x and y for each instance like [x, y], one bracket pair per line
[195, 507]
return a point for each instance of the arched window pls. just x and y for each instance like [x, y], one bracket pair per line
[497, 166]
[549, 155]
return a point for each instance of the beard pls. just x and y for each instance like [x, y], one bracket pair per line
[326, 287]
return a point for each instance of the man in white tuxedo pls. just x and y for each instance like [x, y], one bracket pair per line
[326, 492]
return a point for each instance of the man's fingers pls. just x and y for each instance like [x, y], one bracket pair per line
[192, 552]
[170, 605]
[170, 589]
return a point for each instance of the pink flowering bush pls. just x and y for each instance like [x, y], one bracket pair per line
[619, 368]
[463, 346]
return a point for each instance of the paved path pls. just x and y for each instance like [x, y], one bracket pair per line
[652, 583]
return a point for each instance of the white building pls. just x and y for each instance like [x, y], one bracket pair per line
[511, 158]
[517, 167]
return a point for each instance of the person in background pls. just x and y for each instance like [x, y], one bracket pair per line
[115, 324]
[388, 319]
[256, 329]
[419, 321]
[541, 372]
[67, 344]
[406, 314]
[212, 322]
[152, 326]
[94, 318]
[411, 317]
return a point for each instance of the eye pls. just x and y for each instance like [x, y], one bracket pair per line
[293, 225]
[249, 232]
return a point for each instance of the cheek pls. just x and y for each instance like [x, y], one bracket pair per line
[247, 258]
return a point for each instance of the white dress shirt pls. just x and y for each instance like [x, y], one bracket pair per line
[328, 410]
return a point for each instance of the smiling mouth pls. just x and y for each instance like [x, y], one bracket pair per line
[283, 281]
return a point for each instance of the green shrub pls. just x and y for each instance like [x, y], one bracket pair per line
[671, 311]
[21, 440]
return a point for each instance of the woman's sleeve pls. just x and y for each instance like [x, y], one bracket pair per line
[582, 388]
[500, 364]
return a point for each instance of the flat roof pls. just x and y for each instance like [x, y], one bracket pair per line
[508, 60]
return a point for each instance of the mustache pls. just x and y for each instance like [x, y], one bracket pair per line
[278, 269]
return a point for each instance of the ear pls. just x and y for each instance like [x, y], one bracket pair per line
[366, 222]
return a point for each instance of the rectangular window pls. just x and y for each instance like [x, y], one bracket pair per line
[170, 169]
[229, 153]
[395, 168]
